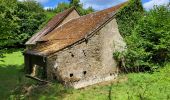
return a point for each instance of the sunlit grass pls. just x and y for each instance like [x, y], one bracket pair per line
[15, 58]
[10, 69]
[134, 86]
[139, 86]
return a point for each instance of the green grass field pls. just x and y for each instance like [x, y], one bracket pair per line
[10, 70]
[134, 86]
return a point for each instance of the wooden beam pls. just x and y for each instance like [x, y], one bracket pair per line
[37, 79]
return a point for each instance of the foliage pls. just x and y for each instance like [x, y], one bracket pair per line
[49, 15]
[148, 44]
[31, 15]
[61, 7]
[76, 3]
[128, 16]
[8, 22]
[79, 7]
[133, 86]
[18, 22]
[88, 10]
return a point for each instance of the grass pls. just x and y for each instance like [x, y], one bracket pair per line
[15, 58]
[134, 86]
[10, 70]
[139, 86]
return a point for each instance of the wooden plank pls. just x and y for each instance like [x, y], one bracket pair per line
[37, 79]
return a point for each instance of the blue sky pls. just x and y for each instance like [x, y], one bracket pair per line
[101, 4]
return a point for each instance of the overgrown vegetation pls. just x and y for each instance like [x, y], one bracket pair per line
[147, 34]
[133, 86]
[129, 16]
[10, 70]
[79, 7]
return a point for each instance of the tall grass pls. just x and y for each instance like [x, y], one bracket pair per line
[133, 86]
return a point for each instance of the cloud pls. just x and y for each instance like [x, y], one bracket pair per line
[100, 4]
[151, 3]
[48, 8]
[40, 1]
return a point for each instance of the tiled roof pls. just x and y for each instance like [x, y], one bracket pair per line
[54, 22]
[74, 31]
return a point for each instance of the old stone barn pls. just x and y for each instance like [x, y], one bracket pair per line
[76, 50]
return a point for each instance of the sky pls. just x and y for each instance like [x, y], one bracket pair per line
[102, 4]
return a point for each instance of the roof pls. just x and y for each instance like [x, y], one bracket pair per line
[53, 23]
[70, 33]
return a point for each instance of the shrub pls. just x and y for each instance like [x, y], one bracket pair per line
[149, 43]
[128, 17]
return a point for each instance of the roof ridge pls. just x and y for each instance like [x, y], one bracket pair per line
[46, 28]
[106, 8]
[78, 29]
[114, 7]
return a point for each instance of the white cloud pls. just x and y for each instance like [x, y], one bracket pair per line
[100, 4]
[48, 8]
[40, 1]
[150, 4]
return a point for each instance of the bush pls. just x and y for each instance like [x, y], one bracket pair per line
[128, 17]
[19, 21]
[149, 43]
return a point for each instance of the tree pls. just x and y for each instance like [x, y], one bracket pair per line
[129, 16]
[31, 15]
[148, 46]
[76, 3]
[79, 7]
[8, 22]
[89, 10]
[61, 7]
[18, 22]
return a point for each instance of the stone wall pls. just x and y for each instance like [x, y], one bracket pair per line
[31, 60]
[89, 62]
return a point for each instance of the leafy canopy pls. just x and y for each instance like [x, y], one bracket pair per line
[76, 3]
[128, 16]
[18, 22]
[148, 38]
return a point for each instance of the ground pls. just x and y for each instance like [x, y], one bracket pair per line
[9, 72]
[134, 86]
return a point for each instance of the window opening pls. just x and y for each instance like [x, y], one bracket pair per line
[71, 75]
[84, 72]
[72, 55]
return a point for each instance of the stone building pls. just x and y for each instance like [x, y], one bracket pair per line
[76, 50]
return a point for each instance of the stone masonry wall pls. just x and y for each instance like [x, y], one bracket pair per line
[89, 62]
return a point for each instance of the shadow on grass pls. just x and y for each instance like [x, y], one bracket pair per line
[9, 78]
[13, 83]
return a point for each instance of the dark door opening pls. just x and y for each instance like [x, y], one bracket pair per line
[38, 71]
